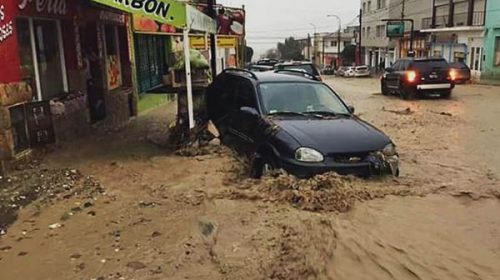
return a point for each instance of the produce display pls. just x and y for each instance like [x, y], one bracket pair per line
[198, 61]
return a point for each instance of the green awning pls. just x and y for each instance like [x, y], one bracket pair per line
[172, 12]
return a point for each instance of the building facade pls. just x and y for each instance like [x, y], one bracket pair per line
[492, 41]
[377, 47]
[65, 65]
[457, 32]
[326, 47]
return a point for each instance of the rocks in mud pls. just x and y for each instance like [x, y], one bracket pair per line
[55, 226]
[136, 265]
[215, 142]
[43, 185]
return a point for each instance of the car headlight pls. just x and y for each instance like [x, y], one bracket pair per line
[308, 155]
[389, 150]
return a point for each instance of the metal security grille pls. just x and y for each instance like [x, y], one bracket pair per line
[150, 52]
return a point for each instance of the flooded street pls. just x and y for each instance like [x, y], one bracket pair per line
[163, 216]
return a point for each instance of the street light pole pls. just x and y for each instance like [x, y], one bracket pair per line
[314, 42]
[338, 37]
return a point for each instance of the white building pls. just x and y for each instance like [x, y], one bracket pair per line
[457, 29]
[326, 46]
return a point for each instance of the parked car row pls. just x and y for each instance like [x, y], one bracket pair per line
[353, 71]
[287, 119]
[294, 67]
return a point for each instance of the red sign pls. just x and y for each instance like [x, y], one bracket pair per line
[47, 8]
[9, 72]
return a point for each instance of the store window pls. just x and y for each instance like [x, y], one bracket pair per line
[497, 51]
[113, 63]
[42, 58]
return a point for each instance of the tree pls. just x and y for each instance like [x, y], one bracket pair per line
[271, 54]
[348, 55]
[291, 49]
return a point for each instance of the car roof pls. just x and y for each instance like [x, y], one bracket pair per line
[265, 77]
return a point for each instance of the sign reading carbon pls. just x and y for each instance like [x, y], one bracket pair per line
[148, 6]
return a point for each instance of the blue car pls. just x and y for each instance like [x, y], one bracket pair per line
[288, 120]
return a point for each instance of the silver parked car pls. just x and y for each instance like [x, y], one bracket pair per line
[362, 71]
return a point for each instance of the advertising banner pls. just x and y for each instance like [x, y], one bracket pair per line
[163, 11]
[223, 42]
[395, 29]
[230, 21]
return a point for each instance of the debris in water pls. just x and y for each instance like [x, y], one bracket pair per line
[136, 265]
[55, 226]
[407, 111]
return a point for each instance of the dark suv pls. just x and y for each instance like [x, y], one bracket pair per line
[419, 76]
[306, 66]
[284, 121]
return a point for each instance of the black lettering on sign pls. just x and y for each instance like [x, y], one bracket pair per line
[137, 4]
[150, 6]
[163, 9]
[156, 7]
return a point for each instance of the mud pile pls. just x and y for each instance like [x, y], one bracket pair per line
[324, 193]
[46, 186]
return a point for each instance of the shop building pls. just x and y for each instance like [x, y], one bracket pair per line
[65, 65]
[492, 42]
[457, 32]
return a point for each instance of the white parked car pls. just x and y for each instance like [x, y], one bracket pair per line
[350, 72]
[362, 71]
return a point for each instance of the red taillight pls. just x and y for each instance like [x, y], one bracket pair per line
[411, 76]
[453, 74]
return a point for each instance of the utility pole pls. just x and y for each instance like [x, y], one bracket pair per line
[360, 51]
[403, 10]
[308, 46]
[323, 53]
[315, 41]
[213, 38]
[338, 37]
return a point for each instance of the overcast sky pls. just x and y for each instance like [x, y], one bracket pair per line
[270, 21]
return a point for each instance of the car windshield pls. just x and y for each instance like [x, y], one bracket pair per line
[300, 98]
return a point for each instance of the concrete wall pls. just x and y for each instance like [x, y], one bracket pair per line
[492, 26]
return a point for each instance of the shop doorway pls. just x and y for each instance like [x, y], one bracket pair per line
[94, 72]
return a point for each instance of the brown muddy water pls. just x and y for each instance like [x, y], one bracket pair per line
[161, 216]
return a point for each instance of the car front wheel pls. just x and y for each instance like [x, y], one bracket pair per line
[263, 167]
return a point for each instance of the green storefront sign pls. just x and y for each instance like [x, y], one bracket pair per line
[164, 11]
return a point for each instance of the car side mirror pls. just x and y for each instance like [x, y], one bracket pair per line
[351, 109]
[249, 111]
[389, 69]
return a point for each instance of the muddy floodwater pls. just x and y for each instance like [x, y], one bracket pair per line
[121, 206]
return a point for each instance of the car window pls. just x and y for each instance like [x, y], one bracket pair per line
[404, 65]
[299, 98]
[397, 65]
[429, 65]
[245, 95]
